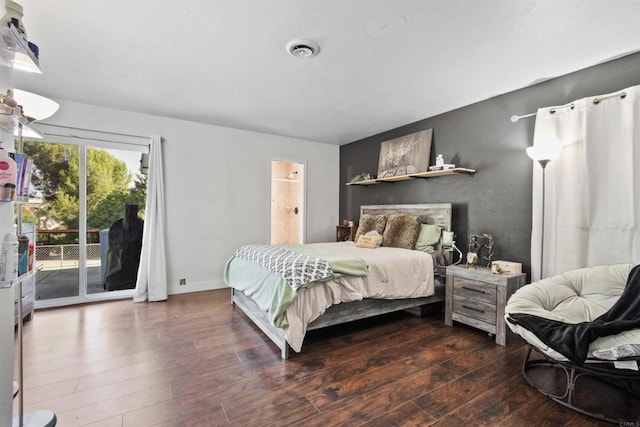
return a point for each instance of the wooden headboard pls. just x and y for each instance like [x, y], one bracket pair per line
[429, 213]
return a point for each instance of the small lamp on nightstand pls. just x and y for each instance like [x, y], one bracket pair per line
[543, 154]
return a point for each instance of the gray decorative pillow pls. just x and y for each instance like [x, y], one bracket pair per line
[401, 231]
[369, 223]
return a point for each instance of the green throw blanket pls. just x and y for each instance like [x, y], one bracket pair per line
[271, 292]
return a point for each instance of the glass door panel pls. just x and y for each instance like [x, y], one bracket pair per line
[116, 193]
[54, 208]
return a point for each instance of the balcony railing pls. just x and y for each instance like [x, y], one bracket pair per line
[56, 257]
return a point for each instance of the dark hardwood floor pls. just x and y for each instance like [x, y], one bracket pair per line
[196, 361]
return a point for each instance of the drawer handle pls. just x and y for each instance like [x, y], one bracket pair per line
[480, 291]
[472, 308]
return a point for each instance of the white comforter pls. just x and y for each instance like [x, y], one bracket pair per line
[393, 273]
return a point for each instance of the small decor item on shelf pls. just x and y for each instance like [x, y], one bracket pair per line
[364, 176]
[441, 165]
[482, 246]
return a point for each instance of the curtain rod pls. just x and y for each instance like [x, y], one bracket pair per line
[94, 130]
[596, 101]
[95, 139]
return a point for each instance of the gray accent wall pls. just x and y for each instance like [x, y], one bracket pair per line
[481, 136]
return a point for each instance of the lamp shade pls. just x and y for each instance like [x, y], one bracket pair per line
[35, 106]
[544, 151]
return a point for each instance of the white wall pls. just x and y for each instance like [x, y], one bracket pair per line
[217, 183]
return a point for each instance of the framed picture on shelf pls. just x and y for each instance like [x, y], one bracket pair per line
[405, 155]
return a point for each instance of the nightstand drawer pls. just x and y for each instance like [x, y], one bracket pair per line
[475, 308]
[472, 289]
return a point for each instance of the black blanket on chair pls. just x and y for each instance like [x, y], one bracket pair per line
[572, 340]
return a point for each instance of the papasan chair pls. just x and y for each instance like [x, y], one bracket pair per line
[583, 332]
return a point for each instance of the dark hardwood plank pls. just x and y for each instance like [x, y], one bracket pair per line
[196, 361]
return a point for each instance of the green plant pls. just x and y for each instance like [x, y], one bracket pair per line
[364, 176]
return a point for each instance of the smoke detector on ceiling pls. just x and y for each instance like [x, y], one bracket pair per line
[302, 48]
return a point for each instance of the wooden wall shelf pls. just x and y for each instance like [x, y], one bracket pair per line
[424, 175]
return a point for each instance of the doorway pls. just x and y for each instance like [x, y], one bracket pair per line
[287, 202]
[80, 190]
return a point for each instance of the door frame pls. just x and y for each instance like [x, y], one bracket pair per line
[83, 144]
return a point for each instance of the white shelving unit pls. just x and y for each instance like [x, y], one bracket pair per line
[14, 54]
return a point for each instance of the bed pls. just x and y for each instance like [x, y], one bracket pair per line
[396, 278]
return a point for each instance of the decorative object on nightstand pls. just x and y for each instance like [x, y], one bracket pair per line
[482, 246]
[506, 267]
[346, 232]
[477, 297]
[472, 259]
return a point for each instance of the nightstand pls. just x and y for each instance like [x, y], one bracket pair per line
[477, 297]
[345, 232]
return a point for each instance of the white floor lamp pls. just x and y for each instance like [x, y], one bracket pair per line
[543, 154]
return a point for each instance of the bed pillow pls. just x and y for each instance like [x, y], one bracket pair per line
[367, 241]
[369, 223]
[401, 231]
[429, 238]
[371, 240]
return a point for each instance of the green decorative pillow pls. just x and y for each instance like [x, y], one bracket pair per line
[429, 238]
[401, 231]
[369, 223]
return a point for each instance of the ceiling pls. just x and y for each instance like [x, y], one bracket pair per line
[382, 63]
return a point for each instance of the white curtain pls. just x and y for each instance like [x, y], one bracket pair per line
[151, 283]
[592, 197]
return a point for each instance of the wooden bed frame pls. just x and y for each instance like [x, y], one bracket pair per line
[433, 213]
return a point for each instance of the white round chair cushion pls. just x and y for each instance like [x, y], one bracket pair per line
[577, 296]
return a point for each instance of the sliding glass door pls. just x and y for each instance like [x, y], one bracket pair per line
[80, 193]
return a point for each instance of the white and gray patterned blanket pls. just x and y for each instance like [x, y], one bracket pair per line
[296, 269]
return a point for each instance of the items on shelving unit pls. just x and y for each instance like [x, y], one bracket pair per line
[9, 259]
[24, 169]
[8, 176]
[430, 174]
